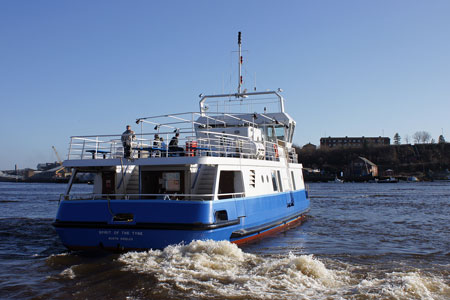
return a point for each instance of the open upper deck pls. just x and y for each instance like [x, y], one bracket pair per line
[227, 126]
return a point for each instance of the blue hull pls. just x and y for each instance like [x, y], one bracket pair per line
[155, 224]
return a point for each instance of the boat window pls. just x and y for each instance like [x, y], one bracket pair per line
[280, 132]
[230, 182]
[108, 182]
[262, 178]
[274, 181]
[293, 180]
[291, 132]
[172, 182]
[279, 181]
[270, 133]
[161, 182]
[275, 132]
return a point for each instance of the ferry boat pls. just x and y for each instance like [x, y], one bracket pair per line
[231, 173]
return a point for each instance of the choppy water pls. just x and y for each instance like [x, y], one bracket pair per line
[362, 241]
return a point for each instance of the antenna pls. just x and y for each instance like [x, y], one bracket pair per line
[240, 64]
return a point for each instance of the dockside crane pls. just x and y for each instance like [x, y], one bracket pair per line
[65, 174]
[57, 156]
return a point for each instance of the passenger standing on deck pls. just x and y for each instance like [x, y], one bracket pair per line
[128, 137]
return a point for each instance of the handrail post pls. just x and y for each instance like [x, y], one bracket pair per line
[82, 149]
[96, 146]
[167, 145]
[70, 148]
[192, 122]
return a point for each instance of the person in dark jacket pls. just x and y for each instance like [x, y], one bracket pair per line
[128, 137]
[173, 145]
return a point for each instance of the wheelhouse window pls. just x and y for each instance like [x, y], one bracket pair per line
[291, 132]
[280, 132]
[275, 132]
[270, 133]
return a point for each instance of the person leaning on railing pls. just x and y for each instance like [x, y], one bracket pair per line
[128, 137]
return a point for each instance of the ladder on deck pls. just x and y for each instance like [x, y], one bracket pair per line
[206, 181]
[133, 182]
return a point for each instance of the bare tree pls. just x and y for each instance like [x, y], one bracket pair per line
[407, 139]
[416, 137]
[421, 137]
[426, 136]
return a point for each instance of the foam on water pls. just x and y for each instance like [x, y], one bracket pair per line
[68, 273]
[405, 285]
[207, 269]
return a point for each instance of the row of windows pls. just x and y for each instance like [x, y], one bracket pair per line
[276, 180]
[353, 141]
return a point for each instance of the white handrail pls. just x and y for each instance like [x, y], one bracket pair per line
[188, 197]
[215, 144]
[194, 140]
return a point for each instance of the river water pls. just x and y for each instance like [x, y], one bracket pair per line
[361, 241]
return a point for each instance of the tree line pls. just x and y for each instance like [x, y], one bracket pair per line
[419, 137]
[403, 159]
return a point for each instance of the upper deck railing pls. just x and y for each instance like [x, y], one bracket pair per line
[216, 144]
[257, 99]
[209, 132]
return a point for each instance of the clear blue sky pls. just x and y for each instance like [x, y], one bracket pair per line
[347, 68]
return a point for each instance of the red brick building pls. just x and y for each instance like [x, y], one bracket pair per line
[353, 142]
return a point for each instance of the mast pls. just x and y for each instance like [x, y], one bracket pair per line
[203, 98]
[240, 64]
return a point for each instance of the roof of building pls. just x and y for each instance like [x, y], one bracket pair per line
[367, 161]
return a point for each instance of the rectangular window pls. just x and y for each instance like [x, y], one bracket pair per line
[280, 132]
[274, 181]
[293, 181]
[171, 181]
[279, 181]
[160, 182]
[230, 182]
[270, 133]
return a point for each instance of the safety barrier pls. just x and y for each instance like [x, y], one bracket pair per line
[179, 197]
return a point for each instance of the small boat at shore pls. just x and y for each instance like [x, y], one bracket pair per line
[232, 175]
[388, 180]
[412, 179]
